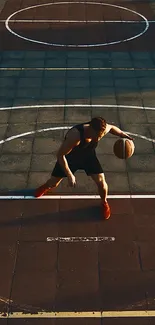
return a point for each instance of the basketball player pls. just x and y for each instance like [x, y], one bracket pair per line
[78, 152]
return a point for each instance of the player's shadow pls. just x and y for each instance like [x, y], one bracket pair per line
[97, 301]
[93, 213]
[105, 299]
[76, 290]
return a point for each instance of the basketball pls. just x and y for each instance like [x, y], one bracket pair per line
[124, 148]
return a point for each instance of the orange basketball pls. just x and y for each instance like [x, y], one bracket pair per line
[123, 148]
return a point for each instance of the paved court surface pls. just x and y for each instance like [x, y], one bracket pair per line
[33, 78]
[44, 90]
[54, 30]
[40, 276]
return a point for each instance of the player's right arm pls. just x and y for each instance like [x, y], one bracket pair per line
[71, 141]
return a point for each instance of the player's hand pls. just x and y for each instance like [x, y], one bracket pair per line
[71, 180]
[125, 135]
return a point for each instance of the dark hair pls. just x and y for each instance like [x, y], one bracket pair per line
[98, 124]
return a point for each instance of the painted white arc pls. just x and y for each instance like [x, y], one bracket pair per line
[75, 105]
[77, 45]
[67, 127]
[34, 132]
[61, 128]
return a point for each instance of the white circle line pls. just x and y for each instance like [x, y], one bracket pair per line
[74, 105]
[76, 21]
[141, 136]
[77, 45]
[68, 127]
[21, 135]
[34, 132]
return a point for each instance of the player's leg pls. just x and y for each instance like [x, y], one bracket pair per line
[56, 177]
[52, 183]
[102, 186]
[94, 169]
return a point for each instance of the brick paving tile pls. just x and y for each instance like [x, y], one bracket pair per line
[41, 224]
[122, 290]
[27, 287]
[8, 254]
[10, 220]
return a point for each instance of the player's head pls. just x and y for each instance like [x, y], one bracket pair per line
[98, 125]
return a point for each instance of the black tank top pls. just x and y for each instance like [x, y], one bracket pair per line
[84, 148]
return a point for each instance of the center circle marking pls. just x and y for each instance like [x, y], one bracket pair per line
[146, 26]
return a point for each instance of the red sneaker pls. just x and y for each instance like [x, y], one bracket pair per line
[40, 191]
[106, 210]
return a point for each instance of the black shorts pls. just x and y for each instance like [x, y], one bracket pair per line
[91, 165]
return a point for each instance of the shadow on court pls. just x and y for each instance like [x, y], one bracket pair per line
[94, 213]
[77, 275]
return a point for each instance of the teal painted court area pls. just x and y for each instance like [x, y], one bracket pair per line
[62, 64]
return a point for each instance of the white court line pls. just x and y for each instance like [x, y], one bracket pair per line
[83, 314]
[74, 105]
[74, 69]
[77, 197]
[63, 128]
[79, 239]
[75, 21]
[91, 196]
[68, 127]
[7, 25]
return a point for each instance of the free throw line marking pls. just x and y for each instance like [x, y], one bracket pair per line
[79, 239]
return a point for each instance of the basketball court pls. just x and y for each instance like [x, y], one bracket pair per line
[61, 63]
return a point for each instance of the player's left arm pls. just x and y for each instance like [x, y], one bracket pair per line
[116, 131]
